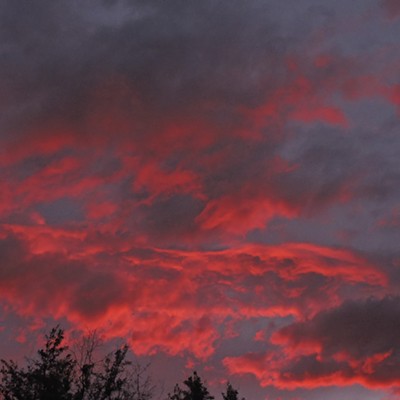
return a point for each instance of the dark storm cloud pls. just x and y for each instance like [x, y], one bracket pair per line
[173, 53]
[359, 341]
[326, 162]
[359, 328]
[40, 46]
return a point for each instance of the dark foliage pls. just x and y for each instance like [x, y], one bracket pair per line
[195, 390]
[49, 377]
[231, 393]
[57, 374]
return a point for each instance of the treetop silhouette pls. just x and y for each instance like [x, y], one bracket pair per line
[195, 390]
[58, 373]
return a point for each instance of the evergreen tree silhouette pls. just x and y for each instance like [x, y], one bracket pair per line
[195, 390]
[231, 393]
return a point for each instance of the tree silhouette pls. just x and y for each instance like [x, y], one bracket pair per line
[110, 383]
[50, 377]
[196, 390]
[57, 374]
[231, 393]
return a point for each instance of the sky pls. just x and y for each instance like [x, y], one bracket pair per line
[216, 183]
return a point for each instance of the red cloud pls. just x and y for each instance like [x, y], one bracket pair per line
[96, 279]
[300, 99]
[357, 342]
[100, 210]
[330, 115]
[165, 183]
[239, 215]
[394, 96]
[235, 181]
[42, 140]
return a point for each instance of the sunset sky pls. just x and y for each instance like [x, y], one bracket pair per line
[215, 182]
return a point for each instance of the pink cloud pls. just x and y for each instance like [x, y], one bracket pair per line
[132, 291]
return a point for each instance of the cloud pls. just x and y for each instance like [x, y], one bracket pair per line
[192, 176]
[181, 65]
[131, 290]
[356, 342]
[392, 8]
[191, 121]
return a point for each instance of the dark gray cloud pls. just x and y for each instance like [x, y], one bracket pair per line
[357, 340]
[359, 328]
[174, 54]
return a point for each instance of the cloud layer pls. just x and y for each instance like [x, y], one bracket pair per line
[216, 182]
[356, 342]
